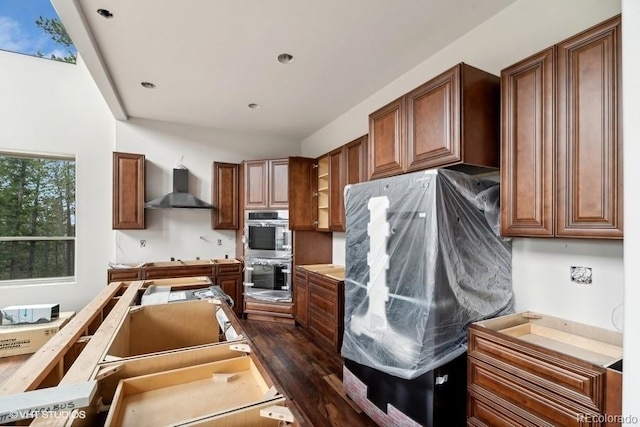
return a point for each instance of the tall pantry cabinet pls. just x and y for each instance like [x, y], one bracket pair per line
[562, 140]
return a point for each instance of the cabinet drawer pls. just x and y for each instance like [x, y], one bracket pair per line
[324, 331]
[329, 288]
[485, 410]
[556, 409]
[301, 274]
[562, 376]
[187, 271]
[231, 268]
[322, 302]
[268, 307]
[124, 274]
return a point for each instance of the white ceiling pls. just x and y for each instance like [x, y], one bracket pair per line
[210, 58]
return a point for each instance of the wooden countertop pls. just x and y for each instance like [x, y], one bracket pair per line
[179, 263]
[334, 271]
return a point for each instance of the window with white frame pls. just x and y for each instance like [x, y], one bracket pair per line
[37, 218]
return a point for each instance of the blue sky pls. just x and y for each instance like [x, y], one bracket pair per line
[18, 31]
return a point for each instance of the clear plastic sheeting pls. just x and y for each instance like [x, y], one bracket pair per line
[268, 295]
[423, 261]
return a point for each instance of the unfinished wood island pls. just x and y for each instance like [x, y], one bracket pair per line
[149, 360]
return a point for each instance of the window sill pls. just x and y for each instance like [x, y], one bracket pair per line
[22, 283]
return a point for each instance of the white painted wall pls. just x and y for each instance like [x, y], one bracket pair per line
[631, 130]
[185, 233]
[52, 107]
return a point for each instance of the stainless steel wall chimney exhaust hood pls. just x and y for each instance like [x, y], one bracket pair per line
[180, 197]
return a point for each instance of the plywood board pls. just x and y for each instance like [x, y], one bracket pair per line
[164, 361]
[247, 416]
[175, 396]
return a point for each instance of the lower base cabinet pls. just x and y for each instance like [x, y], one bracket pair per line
[319, 296]
[530, 369]
[226, 273]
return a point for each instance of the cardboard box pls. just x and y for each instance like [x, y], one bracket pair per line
[28, 338]
[34, 313]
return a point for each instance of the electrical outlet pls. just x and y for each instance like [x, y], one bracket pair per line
[143, 243]
[219, 242]
[580, 275]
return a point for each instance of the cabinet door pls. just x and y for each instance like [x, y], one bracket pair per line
[301, 297]
[279, 184]
[301, 190]
[526, 181]
[355, 170]
[128, 191]
[232, 286]
[224, 214]
[589, 135]
[336, 186]
[256, 184]
[386, 135]
[433, 122]
[356, 160]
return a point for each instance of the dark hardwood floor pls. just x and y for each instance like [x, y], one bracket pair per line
[307, 373]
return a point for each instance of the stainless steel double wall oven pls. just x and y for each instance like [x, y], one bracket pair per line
[267, 241]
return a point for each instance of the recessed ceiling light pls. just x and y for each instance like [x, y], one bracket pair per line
[254, 106]
[105, 13]
[148, 85]
[286, 58]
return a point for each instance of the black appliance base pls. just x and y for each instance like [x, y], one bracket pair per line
[421, 399]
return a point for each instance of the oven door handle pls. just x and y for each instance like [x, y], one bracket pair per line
[287, 237]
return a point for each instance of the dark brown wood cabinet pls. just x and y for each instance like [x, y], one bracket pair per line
[229, 278]
[123, 274]
[387, 140]
[319, 297]
[589, 133]
[451, 119]
[355, 153]
[128, 191]
[348, 165]
[266, 184]
[224, 215]
[161, 270]
[302, 186]
[526, 184]
[530, 369]
[256, 184]
[279, 184]
[316, 186]
[227, 273]
[561, 171]
[301, 296]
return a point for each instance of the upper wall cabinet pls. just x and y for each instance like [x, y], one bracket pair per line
[451, 119]
[266, 184]
[224, 215]
[302, 186]
[562, 130]
[347, 165]
[316, 186]
[128, 191]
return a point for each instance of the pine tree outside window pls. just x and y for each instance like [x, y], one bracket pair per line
[37, 219]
